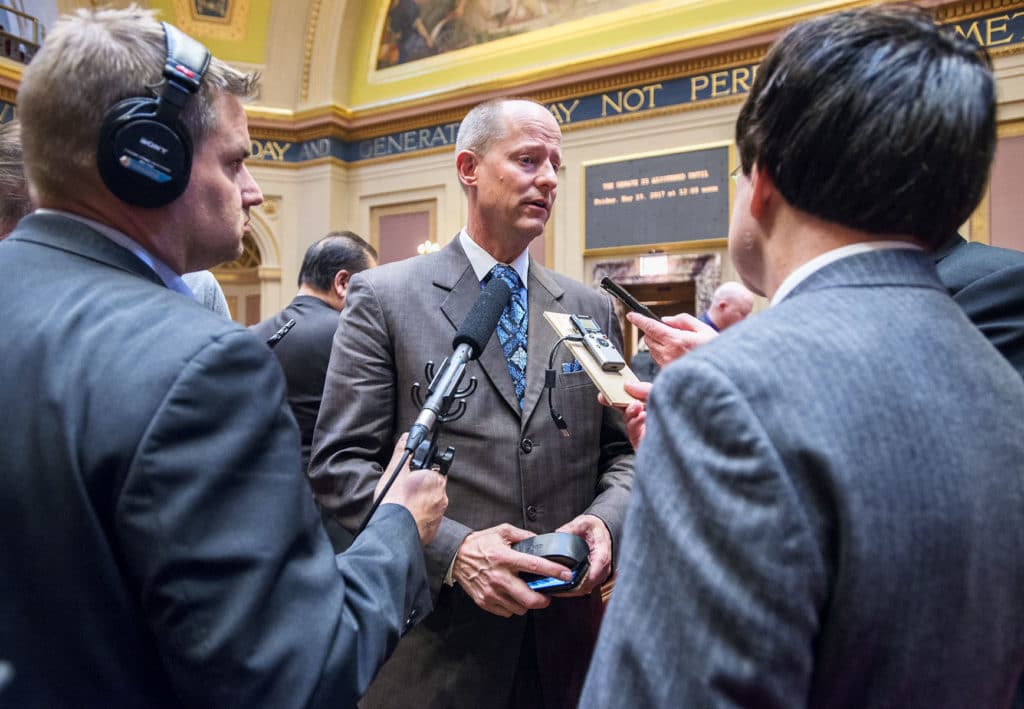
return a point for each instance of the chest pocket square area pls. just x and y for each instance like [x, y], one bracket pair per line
[570, 367]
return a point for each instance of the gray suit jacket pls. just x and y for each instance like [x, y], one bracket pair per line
[161, 547]
[508, 468]
[829, 510]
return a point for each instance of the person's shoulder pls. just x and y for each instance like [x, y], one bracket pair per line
[972, 261]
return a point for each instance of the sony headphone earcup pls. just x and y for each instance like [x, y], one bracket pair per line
[144, 160]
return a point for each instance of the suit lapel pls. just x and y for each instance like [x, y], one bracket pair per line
[542, 294]
[455, 275]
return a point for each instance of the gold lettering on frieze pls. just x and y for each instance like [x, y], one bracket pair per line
[728, 82]
[268, 150]
[990, 31]
[563, 111]
[629, 100]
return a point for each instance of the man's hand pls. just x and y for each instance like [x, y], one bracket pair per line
[422, 492]
[599, 540]
[487, 568]
[673, 336]
[636, 413]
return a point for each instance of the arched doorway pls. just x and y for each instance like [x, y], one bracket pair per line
[240, 280]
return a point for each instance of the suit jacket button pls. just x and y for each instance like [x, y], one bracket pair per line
[531, 513]
[526, 445]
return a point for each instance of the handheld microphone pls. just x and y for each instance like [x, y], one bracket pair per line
[469, 343]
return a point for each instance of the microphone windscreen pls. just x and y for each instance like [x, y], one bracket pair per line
[482, 320]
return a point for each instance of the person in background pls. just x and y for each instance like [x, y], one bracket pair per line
[828, 508]
[161, 548]
[988, 283]
[671, 337]
[207, 292]
[492, 642]
[304, 352]
[730, 303]
[642, 363]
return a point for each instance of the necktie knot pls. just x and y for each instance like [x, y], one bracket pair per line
[507, 274]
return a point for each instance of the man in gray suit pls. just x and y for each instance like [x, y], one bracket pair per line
[161, 548]
[491, 641]
[829, 507]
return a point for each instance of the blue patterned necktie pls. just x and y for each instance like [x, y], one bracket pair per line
[512, 328]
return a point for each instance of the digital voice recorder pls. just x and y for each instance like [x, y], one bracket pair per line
[597, 344]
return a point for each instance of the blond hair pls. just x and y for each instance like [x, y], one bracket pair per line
[89, 61]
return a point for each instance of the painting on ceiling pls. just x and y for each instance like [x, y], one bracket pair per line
[416, 29]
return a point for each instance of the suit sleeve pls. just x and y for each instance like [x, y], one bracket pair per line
[234, 572]
[995, 304]
[720, 580]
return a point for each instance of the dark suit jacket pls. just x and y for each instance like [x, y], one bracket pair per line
[508, 467]
[303, 353]
[832, 507]
[160, 544]
[988, 283]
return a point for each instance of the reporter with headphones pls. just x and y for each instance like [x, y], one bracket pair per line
[161, 547]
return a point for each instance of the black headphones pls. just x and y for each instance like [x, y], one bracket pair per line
[145, 153]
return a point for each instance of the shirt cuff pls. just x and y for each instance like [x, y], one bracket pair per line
[449, 580]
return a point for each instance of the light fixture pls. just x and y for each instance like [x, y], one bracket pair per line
[428, 247]
[655, 264]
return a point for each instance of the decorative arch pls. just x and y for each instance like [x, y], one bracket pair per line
[254, 278]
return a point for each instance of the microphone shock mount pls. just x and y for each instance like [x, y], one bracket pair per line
[427, 454]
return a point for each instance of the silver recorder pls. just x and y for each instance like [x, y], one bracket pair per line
[598, 344]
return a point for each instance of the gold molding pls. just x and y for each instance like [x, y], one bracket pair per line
[972, 8]
[307, 49]
[1011, 128]
[669, 247]
[11, 71]
[326, 122]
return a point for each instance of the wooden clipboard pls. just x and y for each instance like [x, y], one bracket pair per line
[608, 383]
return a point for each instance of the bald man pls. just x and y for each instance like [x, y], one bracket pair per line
[730, 303]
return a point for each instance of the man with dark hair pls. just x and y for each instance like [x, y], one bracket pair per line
[304, 353]
[161, 548]
[829, 507]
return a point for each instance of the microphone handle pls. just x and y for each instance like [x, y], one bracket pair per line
[439, 397]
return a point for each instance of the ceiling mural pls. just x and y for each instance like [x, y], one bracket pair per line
[416, 29]
[213, 19]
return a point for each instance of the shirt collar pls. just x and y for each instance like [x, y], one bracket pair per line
[482, 262]
[171, 279]
[819, 262]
